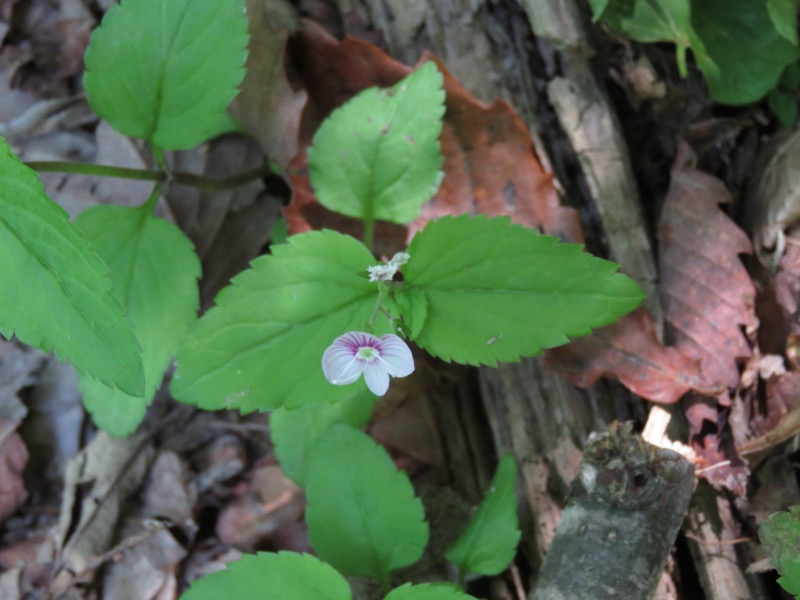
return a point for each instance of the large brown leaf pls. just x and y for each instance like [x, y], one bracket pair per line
[630, 352]
[489, 161]
[706, 293]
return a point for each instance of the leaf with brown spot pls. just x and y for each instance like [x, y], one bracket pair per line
[629, 351]
[489, 161]
[706, 291]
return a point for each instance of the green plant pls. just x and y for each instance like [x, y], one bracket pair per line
[780, 539]
[115, 292]
[740, 46]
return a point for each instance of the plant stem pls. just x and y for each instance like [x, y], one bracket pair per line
[152, 200]
[197, 181]
[369, 231]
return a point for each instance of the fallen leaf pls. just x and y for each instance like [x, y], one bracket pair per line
[267, 105]
[490, 163]
[13, 458]
[630, 352]
[169, 493]
[706, 291]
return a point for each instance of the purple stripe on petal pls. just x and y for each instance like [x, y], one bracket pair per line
[340, 365]
[376, 377]
[395, 356]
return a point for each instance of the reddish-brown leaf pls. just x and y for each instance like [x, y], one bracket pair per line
[630, 352]
[706, 292]
[489, 161]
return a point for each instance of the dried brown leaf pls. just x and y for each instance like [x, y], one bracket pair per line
[489, 161]
[706, 291]
[630, 352]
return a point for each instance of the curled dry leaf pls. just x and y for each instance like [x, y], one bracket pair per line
[773, 197]
[490, 164]
[13, 458]
[706, 291]
[630, 352]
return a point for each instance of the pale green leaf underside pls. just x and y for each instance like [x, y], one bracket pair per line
[496, 291]
[166, 70]
[294, 431]
[428, 591]
[378, 157]
[362, 515]
[261, 346]
[268, 576]
[56, 293]
[780, 539]
[490, 540]
[154, 272]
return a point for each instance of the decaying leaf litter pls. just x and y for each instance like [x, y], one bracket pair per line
[85, 514]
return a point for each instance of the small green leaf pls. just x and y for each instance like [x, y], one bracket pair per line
[166, 70]
[496, 291]
[780, 538]
[269, 576]
[783, 14]
[295, 431]
[489, 542]
[362, 515]
[261, 346]
[428, 591]
[56, 293]
[784, 106]
[749, 54]
[154, 272]
[378, 157]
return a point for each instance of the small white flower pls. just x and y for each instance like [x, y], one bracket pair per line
[386, 272]
[358, 352]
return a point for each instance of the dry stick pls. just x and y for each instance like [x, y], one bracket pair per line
[622, 518]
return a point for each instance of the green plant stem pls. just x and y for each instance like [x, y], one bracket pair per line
[369, 231]
[197, 181]
[152, 200]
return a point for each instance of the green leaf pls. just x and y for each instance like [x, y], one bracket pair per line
[780, 538]
[261, 346]
[166, 70]
[783, 14]
[489, 542]
[428, 591]
[496, 291]
[362, 515]
[269, 576]
[748, 52]
[154, 272]
[295, 431]
[784, 106]
[56, 293]
[377, 156]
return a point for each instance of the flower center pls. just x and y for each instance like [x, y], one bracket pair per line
[367, 353]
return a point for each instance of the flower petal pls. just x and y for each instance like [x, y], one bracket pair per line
[395, 356]
[376, 377]
[340, 365]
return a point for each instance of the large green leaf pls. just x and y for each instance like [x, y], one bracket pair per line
[489, 542]
[748, 51]
[166, 70]
[56, 293]
[261, 346]
[496, 291]
[268, 576]
[428, 591]
[295, 431]
[154, 271]
[378, 157]
[780, 538]
[362, 515]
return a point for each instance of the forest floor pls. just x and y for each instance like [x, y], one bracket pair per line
[85, 515]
